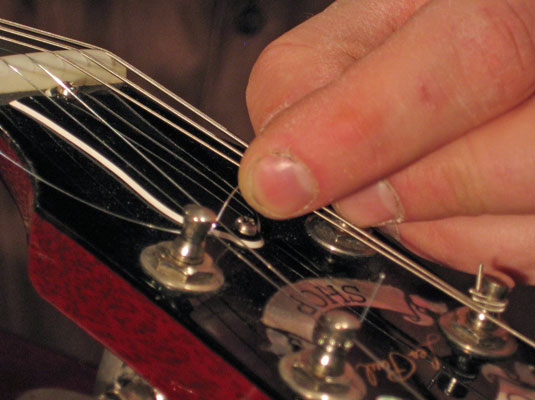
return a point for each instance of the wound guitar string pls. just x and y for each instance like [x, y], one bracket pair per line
[326, 214]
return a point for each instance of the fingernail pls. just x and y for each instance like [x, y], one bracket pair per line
[282, 187]
[375, 205]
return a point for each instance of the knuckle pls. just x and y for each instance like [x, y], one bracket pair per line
[263, 65]
[452, 184]
[265, 70]
[466, 182]
[270, 79]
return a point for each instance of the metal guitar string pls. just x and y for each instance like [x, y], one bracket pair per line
[134, 185]
[224, 205]
[379, 246]
[85, 202]
[128, 180]
[397, 261]
[414, 268]
[154, 83]
[108, 125]
[131, 84]
[164, 210]
[360, 234]
[143, 149]
[212, 178]
[116, 170]
[265, 262]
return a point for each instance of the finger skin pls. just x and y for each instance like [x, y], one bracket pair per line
[501, 242]
[452, 67]
[319, 50]
[488, 171]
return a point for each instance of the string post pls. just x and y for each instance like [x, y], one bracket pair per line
[189, 248]
[182, 265]
[471, 331]
[322, 373]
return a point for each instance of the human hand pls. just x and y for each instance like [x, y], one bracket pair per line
[415, 115]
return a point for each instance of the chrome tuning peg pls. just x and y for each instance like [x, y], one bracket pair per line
[335, 240]
[182, 265]
[471, 331]
[322, 373]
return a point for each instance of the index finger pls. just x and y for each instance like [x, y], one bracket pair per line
[455, 65]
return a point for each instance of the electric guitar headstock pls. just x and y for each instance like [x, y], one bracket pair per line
[139, 234]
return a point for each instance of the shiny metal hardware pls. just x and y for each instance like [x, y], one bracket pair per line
[246, 226]
[472, 332]
[117, 381]
[453, 387]
[323, 373]
[182, 265]
[67, 93]
[132, 387]
[461, 371]
[388, 397]
[335, 240]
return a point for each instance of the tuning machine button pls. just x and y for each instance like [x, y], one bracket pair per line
[182, 265]
[471, 331]
[334, 239]
[322, 373]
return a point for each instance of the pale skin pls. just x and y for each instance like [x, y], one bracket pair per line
[414, 115]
